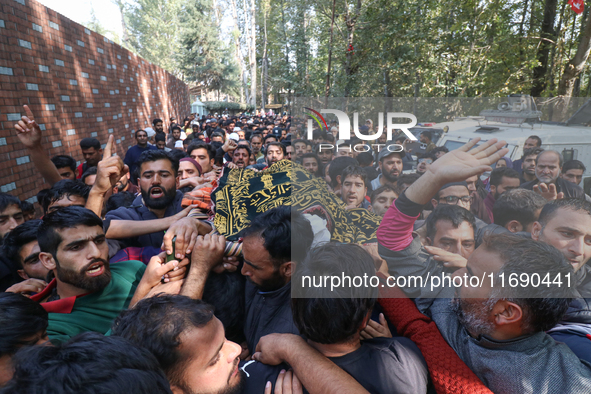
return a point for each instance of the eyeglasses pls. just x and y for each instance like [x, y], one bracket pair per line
[428, 161]
[453, 200]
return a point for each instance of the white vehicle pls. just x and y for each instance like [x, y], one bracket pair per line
[572, 140]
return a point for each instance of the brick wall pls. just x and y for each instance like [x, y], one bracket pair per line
[78, 84]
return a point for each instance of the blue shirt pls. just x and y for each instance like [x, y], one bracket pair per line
[133, 154]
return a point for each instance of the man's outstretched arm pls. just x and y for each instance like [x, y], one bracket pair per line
[316, 372]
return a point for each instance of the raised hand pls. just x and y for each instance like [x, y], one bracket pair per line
[110, 169]
[464, 162]
[549, 192]
[27, 130]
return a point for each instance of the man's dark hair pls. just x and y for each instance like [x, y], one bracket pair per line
[257, 135]
[89, 363]
[354, 171]
[89, 171]
[201, 145]
[7, 200]
[517, 204]
[65, 188]
[496, 176]
[531, 151]
[121, 199]
[405, 179]
[63, 161]
[156, 121]
[337, 165]
[543, 306]
[152, 155]
[176, 127]
[428, 134]
[286, 233]
[68, 217]
[156, 324]
[87, 143]
[454, 214]
[225, 293]
[176, 155]
[270, 136]
[20, 320]
[537, 139]
[314, 156]
[160, 137]
[244, 147]
[279, 144]
[27, 207]
[573, 204]
[443, 149]
[380, 190]
[573, 165]
[560, 158]
[297, 141]
[217, 134]
[15, 240]
[327, 315]
[365, 159]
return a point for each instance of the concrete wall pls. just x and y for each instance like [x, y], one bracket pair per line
[78, 84]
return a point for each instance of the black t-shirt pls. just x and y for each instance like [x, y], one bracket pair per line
[255, 376]
[387, 366]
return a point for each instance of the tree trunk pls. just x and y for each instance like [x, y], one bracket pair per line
[264, 69]
[327, 86]
[547, 33]
[350, 21]
[237, 50]
[576, 65]
[252, 55]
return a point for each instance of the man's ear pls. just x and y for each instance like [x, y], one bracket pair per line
[286, 269]
[536, 231]
[47, 260]
[178, 181]
[514, 226]
[428, 241]
[493, 189]
[507, 312]
[434, 202]
[338, 179]
[22, 274]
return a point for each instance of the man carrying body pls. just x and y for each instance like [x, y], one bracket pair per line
[87, 293]
[156, 210]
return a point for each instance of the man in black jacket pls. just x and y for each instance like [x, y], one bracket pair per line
[548, 181]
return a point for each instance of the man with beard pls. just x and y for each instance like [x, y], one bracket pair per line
[92, 153]
[157, 210]
[272, 244]
[390, 164]
[256, 143]
[86, 293]
[501, 180]
[274, 152]
[528, 164]
[240, 157]
[497, 331]
[532, 142]
[548, 182]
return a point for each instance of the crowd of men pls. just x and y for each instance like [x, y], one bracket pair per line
[112, 284]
